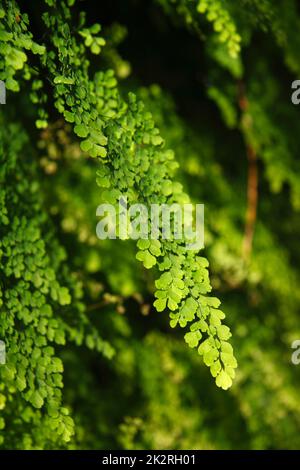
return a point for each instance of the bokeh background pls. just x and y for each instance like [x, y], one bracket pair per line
[229, 117]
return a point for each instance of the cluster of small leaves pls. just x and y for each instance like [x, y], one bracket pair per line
[15, 43]
[182, 288]
[133, 161]
[36, 291]
[216, 12]
[95, 43]
[29, 282]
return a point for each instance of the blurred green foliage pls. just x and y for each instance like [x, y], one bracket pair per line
[90, 363]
